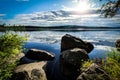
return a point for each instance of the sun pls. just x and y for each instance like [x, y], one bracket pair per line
[82, 6]
[79, 6]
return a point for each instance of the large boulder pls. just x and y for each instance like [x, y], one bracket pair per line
[71, 61]
[93, 72]
[39, 55]
[32, 71]
[69, 42]
[117, 44]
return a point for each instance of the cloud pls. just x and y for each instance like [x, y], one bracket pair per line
[53, 18]
[2, 15]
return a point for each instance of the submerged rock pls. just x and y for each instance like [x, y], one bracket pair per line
[71, 61]
[40, 55]
[32, 71]
[117, 44]
[69, 42]
[94, 72]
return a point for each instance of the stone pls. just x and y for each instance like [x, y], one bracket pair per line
[94, 72]
[31, 71]
[71, 61]
[39, 55]
[25, 60]
[69, 42]
[117, 44]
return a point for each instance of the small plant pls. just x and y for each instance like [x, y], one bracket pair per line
[86, 64]
[10, 47]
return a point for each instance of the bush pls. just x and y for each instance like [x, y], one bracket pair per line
[10, 46]
[112, 65]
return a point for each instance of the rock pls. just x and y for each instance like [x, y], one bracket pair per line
[71, 61]
[40, 55]
[25, 60]
[32, 71]
[69, 42]
[117, 44]
[94, 72]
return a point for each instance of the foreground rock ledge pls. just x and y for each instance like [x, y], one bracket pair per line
[70, 42]
[32, 71]
[94, 72]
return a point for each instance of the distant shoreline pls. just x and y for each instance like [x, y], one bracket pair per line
[57, 28]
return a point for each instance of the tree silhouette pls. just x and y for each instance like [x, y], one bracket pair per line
[110, 8]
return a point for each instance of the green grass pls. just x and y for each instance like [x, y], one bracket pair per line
[112, 65]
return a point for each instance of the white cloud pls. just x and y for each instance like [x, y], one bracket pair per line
[52, 18]
[1, 18]
[1, 15]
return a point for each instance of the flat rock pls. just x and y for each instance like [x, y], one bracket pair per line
[39, 55]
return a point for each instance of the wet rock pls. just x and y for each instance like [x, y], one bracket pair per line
[71, 61]
[94, 72]
[69, 42]
[31, 71]
[117, 44]
[40, 55]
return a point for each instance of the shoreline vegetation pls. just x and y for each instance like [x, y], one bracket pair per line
[10, 51]
[57, 28]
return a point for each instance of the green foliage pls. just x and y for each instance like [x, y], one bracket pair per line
[110, 8]
[86, 64]
[112, 65]
[10, 47]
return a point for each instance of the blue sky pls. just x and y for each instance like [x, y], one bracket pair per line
[13, 7]
[51, 12]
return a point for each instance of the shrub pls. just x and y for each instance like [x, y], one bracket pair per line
[10, 47]
[112, 65]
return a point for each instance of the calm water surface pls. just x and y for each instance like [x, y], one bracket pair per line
[50, 41]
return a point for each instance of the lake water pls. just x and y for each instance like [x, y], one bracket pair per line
[50, 41]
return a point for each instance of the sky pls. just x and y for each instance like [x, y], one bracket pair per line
[53, 12]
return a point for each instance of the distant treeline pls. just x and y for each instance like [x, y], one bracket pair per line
[55, 28]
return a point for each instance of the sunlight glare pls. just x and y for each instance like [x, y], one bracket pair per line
[82, 6]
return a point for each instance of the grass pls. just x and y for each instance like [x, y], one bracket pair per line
[112, 65]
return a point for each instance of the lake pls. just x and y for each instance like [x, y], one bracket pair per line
[50, 41]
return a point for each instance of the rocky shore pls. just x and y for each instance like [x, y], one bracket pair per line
[38, 64]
